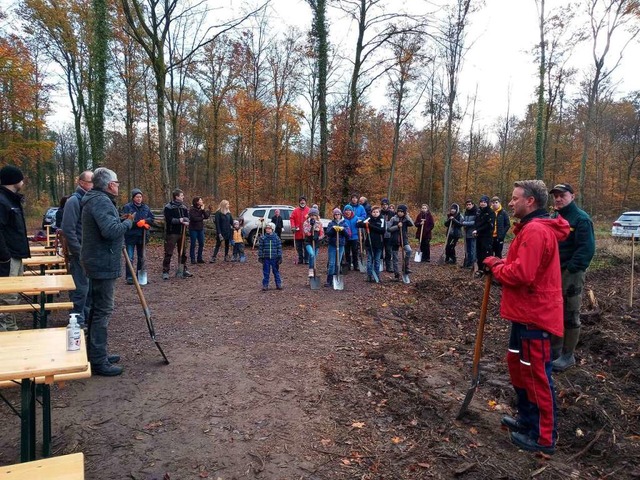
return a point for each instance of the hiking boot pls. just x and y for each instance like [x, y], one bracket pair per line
[513, 424]
[129, 281]
[396, 277]
[165, 275]
[264, 289]
[193, 262]
[279, 287]
[113, 358]
[562, 363]
[370, 279]
[200, 260]
[187, 274]
[106, 370]
[525, 442]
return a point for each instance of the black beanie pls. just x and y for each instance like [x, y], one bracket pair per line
[10, 175]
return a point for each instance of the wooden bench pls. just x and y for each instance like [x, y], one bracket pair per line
[30, 307]
[54, 271]
[65, 467]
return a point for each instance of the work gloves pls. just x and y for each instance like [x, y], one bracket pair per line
[143, 224]
[491, 262]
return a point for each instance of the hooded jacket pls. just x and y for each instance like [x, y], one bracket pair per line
[352, 220]
[102, 236]
[395, 229]
[469, 221]
[530, 275]
[270, 247]
[13, 229]
[72, 222]
[374, 232]
[485, 221]
[454, 222]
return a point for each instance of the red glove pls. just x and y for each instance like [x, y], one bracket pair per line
[141, 223]
[147, 226]
[491, 262]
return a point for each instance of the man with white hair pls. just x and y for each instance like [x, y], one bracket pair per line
[101, 258]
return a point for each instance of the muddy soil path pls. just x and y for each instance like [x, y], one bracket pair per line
[363, 383]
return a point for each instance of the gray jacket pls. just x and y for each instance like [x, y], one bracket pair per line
[72, 223]
[102, 236]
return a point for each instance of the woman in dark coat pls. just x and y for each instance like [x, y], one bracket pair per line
[424, 220]
[224, 225]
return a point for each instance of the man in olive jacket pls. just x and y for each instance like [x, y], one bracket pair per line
[576, 253]
[101, 257]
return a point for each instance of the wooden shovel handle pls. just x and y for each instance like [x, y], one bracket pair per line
[477, 352]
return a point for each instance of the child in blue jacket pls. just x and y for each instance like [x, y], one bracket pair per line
[270, 256]
[337, 233]
[351, 250]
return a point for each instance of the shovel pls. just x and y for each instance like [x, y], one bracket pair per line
[180, 271]
[314, 281]
[446, 242]
[361, 265]
[477, 351]
[338, 280]
[405, 275]
[418, 256]
[145, 307]
[142, 273]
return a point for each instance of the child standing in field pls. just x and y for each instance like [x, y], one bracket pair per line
[398, 228]
[270, 256]
[237, 240]
[374, 240]
[424, 221]
[313, 235]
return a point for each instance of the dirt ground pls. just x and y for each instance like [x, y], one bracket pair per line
[363, 383]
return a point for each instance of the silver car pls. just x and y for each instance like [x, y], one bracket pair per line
[252, 219]
[628, 223]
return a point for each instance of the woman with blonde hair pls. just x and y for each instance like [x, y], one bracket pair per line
[224, 222]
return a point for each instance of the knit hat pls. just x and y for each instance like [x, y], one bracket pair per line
[270, 225]
[348, 207]
[10, 175]
[560, 188]
[236, 223]
[484, 198]
[314, 211]
[384, 200]
[337, 211]
[135, 192]
[402, 208]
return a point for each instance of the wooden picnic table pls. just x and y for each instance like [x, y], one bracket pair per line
[37, 286]
[40, 250]
[42, 262]
[28, 354]
[65, 467]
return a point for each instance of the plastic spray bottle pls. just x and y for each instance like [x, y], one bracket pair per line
[73, 333]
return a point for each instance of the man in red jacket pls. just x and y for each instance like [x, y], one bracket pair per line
[296, 219]
[532, 301]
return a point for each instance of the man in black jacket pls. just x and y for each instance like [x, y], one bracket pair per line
[14, 245]
[101, 257]
[176, 220]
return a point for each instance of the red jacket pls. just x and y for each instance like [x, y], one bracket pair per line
[530, 275]
[296, 219]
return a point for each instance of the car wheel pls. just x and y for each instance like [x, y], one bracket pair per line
[251, 236]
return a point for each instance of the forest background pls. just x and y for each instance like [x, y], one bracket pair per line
[179, 93]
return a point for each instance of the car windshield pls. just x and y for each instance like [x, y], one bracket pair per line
[630, 217]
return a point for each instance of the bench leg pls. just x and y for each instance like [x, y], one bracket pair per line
[46, 420]
[28, 421]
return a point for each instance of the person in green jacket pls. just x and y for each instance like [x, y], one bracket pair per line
[576, 253]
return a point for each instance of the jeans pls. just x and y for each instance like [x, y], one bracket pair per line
[131, 249]
[332, 270]
[196, 235]
[80, 296]
[470, 252]
[268, 265]
[102, 295]
[373, 261]
[311, 255]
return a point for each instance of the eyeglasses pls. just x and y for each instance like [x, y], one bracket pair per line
[115, 181]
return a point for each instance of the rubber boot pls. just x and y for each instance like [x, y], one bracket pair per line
[556, 347]
[567, 359]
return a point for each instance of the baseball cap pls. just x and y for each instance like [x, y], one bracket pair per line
[561, 188]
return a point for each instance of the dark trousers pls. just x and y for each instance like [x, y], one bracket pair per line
[351, 253]
[217, 247]
[172, 241]
[425, 248]
[497, 247]
[450, 249]
[238, 250]
[484, 247]
[102, 296]
[196, 236]
[303, 256]
[529, 362]
[80, 296]
[270, 265]
[388, 256]
[131, 250]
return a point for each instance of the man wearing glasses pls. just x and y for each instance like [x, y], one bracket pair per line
[72, 230]
[100, 255]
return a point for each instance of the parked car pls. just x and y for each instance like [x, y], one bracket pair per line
[628, 223]
[250, 218]
[49, 218]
